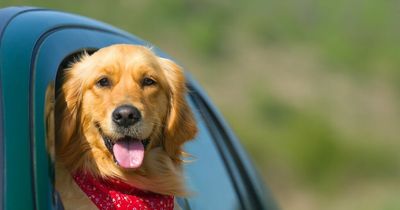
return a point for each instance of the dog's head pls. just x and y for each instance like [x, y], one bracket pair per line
[118, 104]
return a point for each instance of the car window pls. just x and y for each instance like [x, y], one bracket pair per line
[207, 176]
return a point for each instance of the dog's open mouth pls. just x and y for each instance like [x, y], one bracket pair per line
[128, 152]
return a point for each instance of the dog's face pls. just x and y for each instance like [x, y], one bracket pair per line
[119, 103]
[126, 98]
[128, 103]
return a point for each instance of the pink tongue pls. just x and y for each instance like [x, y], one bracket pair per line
[129, 153]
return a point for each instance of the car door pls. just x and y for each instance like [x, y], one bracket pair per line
[39, 44]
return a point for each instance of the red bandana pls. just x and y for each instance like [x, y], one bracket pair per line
[113, 194]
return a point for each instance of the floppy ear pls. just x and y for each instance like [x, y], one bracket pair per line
[180, 124]
[67, 119]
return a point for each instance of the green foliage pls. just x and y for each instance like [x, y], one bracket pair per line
[307, 140]
[313, 149]
[350, 33]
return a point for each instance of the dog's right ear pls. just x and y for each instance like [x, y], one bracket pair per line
[181, 124]
[68, 105]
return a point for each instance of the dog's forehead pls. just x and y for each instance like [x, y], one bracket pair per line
[126, 56]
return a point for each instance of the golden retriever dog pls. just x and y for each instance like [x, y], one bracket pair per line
[121, 114]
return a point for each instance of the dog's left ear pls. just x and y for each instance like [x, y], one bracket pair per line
[181, 125]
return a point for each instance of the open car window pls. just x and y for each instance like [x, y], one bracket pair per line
[207, 177]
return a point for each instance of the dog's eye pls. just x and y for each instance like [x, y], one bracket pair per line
[148, 82]
[104, 82]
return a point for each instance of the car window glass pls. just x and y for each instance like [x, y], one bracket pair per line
[207, 176]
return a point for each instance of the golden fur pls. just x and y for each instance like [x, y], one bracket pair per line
[82, 108]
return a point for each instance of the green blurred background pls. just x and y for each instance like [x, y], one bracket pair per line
[311, 87]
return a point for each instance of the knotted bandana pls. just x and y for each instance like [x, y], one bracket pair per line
[113, 194]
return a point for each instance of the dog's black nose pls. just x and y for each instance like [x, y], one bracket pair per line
[126, 115]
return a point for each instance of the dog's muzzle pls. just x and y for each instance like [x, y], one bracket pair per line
[128, 152]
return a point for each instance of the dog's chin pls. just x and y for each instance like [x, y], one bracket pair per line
[128, 152]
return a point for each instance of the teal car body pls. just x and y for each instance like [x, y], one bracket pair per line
[35, 45]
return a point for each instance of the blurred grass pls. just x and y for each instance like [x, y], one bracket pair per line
[311, 87]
